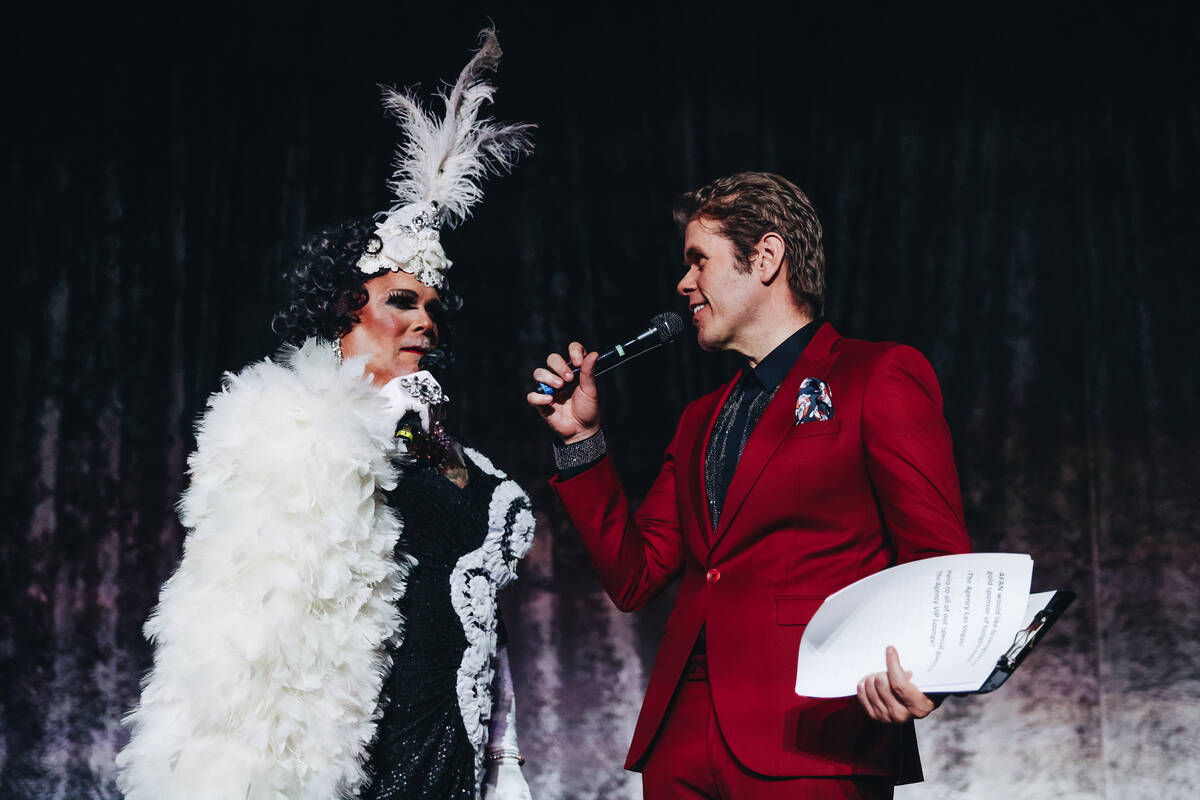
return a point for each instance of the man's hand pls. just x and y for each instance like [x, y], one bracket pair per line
[890, 696]
[573, 415]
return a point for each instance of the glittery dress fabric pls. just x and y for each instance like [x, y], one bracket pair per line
[422, 749]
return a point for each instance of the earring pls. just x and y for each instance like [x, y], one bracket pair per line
[337, 348]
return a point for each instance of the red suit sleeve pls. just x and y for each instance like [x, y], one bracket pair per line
[635, 554]
[910, 457]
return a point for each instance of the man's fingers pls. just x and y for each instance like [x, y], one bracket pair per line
[894, 670]
[875, 693]
[576, 352]
[587, 378]
[548, 377]
[915, 701]
[875, 704]
[897, 675]
[896, 709]
[543, 404]
[559, 365]
[891, 696]
[865, 701]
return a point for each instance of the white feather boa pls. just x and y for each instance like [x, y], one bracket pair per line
[269, 638]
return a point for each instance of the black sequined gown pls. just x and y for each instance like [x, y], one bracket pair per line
[422, 749]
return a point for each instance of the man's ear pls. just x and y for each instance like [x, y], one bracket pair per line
[767, 258]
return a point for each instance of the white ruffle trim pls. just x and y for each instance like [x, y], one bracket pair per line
[474, 582]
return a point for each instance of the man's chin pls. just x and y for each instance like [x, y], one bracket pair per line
[708, 344]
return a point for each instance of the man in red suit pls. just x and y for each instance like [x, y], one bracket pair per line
[824, 460]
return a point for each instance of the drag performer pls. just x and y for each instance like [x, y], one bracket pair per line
[332, 630]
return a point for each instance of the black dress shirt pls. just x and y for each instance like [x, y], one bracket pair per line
[741, 412]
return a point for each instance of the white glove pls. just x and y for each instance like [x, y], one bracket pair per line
[416, 392]
[503, 779]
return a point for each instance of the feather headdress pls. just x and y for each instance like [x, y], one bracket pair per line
[440, 167]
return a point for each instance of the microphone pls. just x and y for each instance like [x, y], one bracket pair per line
[663, 328]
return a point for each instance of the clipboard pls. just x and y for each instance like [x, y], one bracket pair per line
[1025, 640]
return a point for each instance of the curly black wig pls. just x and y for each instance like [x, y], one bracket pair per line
[325, 290]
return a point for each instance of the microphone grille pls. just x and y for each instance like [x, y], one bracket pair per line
[668, 324]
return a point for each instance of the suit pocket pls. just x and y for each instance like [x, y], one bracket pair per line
[820, 427]
[797, 609]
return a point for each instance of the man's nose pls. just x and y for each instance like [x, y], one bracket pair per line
[424, 322]
[687, 283]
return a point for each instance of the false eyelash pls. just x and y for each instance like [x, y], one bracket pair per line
[403, 295]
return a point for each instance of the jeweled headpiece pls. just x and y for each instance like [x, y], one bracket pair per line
[439, 168]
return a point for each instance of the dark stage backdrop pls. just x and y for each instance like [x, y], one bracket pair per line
[1015, 196]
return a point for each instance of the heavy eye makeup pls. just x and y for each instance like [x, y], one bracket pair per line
[407, 300]
[402, 298]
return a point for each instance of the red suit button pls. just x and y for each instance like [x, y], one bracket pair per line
[713, 575]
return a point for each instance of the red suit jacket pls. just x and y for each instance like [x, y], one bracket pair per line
[811, 508]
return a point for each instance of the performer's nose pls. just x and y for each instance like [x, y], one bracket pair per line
[687, 283]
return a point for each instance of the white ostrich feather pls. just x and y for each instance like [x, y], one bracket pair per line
[442, 162]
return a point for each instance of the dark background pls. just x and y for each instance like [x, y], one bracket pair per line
[1011, 190]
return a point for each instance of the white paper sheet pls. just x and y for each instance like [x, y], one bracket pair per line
[950, 618]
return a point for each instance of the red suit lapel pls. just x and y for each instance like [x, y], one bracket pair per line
[775, 424]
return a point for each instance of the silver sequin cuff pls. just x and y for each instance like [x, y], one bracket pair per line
[567, 456]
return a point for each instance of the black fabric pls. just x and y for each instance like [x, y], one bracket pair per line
[571, 472]
[743, 407]
[579, 469]
[741, 412]
[771, 371]
[421, 749]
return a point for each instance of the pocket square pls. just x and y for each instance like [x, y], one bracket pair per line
[813, 402]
